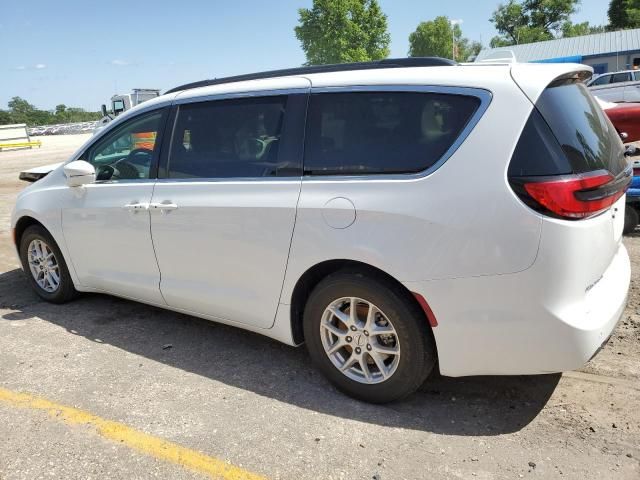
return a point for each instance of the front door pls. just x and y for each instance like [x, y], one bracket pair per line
[107, 224]
[223, 218]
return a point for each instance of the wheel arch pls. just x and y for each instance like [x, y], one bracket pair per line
[22, 224]
[315, 274]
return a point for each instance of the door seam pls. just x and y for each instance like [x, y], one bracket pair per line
[153, 245]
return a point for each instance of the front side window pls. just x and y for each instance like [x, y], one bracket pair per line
[236, 138]
[382, 132]
[602, 80]
[129, 151]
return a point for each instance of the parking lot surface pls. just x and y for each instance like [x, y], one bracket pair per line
[107, 388]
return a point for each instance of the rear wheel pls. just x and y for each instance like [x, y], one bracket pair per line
[45, 267]
[631, 219]
[367, 337]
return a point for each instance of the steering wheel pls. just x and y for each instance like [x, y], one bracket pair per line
[139, 153]
[126, 168]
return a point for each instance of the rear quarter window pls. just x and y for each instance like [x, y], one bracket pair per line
[355, 133]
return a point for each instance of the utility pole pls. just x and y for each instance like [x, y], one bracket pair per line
[453, 37]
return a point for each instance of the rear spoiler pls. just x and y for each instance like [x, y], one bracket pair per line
[534, 78]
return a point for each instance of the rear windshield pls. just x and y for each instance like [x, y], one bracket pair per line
[584, 132]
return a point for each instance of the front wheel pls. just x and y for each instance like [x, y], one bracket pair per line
[368, 337]
[45, 267]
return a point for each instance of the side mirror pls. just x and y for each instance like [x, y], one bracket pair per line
[79, 173]
[104, 110]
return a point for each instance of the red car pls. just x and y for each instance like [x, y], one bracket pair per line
[625, 117]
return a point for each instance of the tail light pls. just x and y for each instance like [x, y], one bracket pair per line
[573, 196]
[636, 171]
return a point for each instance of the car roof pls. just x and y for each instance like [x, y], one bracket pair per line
[532, 78]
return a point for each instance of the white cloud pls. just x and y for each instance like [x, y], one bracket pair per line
[39, 66]
[120, 63]
[456, 21]
[21, 67]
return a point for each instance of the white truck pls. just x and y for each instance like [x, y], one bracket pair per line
[122, 103]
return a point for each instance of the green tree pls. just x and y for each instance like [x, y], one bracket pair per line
[340, 31]
[21, 110]
[530, 20]
[435, 39]
[5, 117]
[623, 14]
[578, 29]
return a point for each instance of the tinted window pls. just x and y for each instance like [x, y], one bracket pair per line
[621, 77]
[538, 152]
[603, 80]
[636, 75]
[129, 151]
[382, 132]
[586, 135]
[228, 138]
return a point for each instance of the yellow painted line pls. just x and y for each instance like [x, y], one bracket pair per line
[134, 439]
[36, 143]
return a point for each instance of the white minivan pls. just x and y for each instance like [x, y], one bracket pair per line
[393, 216]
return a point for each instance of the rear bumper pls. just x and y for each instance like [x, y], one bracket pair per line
[522, 323]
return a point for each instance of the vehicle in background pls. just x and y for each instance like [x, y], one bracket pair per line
[626, 120]
[344, 207]
[617, 87]
[122, 103]
[625, 117]
[632, 207]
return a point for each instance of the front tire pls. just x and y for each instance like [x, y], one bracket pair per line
[44, 265]
[368, 337]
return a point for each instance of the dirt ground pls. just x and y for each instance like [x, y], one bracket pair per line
[261, 406]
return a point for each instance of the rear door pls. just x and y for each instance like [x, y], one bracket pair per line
[632, 90]
[223, 211]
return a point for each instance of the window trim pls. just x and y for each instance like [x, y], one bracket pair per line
[485, 97]
[294, 113]
[164, 110]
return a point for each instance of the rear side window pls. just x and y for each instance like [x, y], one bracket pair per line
[621, 77]
[587, 137]
[228, 139]
[359, 133]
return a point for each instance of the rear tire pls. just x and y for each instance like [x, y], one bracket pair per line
[386, 376]
[44, 265]
[631, 219]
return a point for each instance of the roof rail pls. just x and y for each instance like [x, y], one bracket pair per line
[342, 67]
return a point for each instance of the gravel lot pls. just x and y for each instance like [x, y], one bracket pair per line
[260, 405]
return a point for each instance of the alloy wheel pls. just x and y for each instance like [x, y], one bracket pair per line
[360, 340]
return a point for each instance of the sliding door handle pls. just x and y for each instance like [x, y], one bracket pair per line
[135, 207]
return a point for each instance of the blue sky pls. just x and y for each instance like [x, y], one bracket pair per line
[81, 52]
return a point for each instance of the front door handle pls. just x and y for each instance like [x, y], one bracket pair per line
[163, 207]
